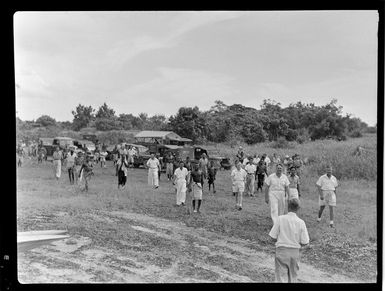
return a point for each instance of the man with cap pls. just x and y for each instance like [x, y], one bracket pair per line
[70, 163]
[153, 166]
[290, 234]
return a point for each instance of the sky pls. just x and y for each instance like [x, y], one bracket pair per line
[158, 61]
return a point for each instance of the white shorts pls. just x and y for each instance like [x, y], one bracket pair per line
[329, 198]
[239, 186]
[293, 193]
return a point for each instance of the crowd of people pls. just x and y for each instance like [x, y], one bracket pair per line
[279, 180]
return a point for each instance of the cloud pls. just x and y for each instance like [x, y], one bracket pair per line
[176, 87]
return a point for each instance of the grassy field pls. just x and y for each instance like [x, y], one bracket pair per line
[350, 249]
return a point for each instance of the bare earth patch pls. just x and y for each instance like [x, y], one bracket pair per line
[155, 250]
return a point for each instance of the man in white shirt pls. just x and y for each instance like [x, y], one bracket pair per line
[238, 179]
[180, 182]
[70, 163]
[327, 185]
[250, 169]
[276, 191]
[290, 233]
[153, 166]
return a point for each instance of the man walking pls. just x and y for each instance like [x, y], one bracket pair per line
[57, 157]
[327, 185]
[238, 179]
[250, 169]
[261, 172]
[203, 164]
[180, 182]
[169, 159]
[277, 189]
[290, 233]
[195, 185]
[294, 191]
[153, 166]
[70, 163]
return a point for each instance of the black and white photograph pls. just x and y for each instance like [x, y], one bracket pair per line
[196, 146]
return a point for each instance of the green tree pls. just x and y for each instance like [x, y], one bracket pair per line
[190, 123]
[46, 120]
[105, 112]
[83, 115]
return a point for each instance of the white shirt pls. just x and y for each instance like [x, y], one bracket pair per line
[71, 159]
[326, 183]
[250, 169]
[256, 161]
[276, 183]
[131, 152]
[153, 163]
[290, 231]
[245, 161]
[267, 160]
[238, 176]
[181, 174]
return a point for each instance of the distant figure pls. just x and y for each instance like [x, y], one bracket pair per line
[250, 169]
[327, 188]
[70, 164]
[267, 160]
[359, 151]
[153, 167]
[180, 182]
[297, 163]
[19, 156]
[57, 157]
[102, 157]
[169, 160]
[160, 159]
[87, 170]
[276, 191]
[196, 186]
[188, 164]
[203, 164]
[238, 179]
[240, 154]
[211, 172]
[294, 191]
[261, 173]
[122, 166]
[131, 156]
[79, 160]
[291, 234]
[42, 153]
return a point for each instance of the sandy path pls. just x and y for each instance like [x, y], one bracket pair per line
[190, 255]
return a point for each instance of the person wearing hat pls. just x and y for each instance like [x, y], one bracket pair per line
[250, 169]
[70, 163]
[57, 157]
[290, 234]
[294, 191]
[153, 166]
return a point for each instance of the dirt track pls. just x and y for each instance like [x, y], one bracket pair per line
[158, 250]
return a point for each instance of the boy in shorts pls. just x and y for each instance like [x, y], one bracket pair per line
[238, 179]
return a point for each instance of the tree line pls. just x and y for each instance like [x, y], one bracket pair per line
[221, 123]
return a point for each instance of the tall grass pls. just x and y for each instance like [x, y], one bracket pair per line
[322, 152]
